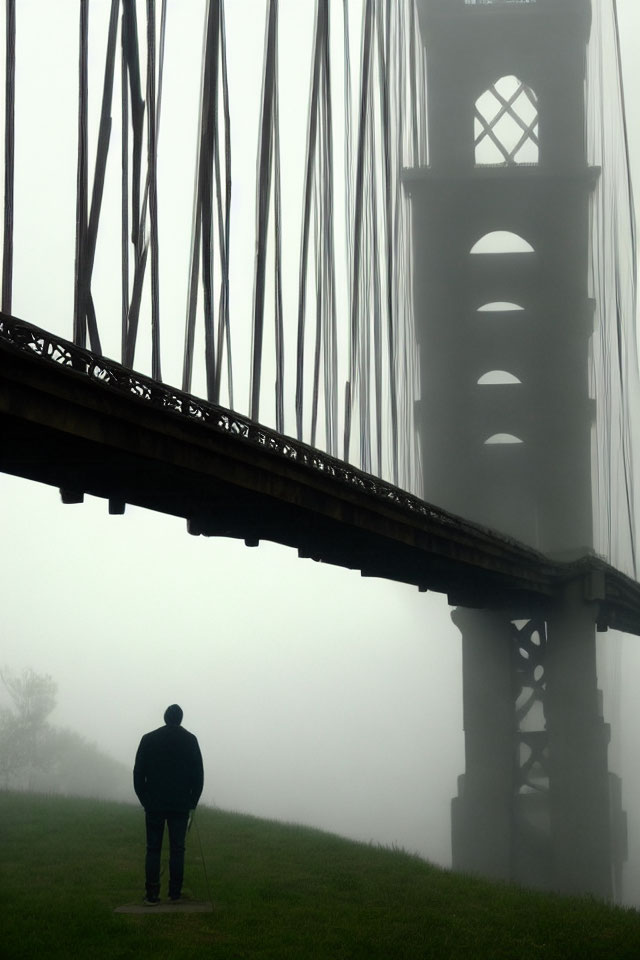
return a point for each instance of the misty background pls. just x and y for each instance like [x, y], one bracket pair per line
[317, 696]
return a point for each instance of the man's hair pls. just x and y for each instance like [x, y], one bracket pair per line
[173, 715]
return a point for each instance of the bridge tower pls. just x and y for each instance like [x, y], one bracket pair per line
[501, 240]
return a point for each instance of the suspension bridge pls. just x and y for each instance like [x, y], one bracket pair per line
[89, 425]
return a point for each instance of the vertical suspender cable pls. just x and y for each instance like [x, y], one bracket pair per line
[613, 275]
[206, 196]
[265, 156]
[384, 47]
[627, 452]
[330, 355]
[124, 240]
[368, 269]
[277, 212]
[306, 213]
[317, 229]
[358, 214]
[398, 102]
[152, 175]
[377, 320]
[227, 209]
[625, 133]
[9, 155]
[348, 167]
[412, 79]
[136, 299]
[419, 153]
[321, 230]
[222, 221]
[137, 127]
[137, 116]
[196, 228]
[79, 305]
[102, 153]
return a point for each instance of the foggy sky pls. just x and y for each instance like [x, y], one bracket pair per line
[317, 696]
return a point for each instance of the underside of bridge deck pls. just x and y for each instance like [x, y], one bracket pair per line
[87, 425]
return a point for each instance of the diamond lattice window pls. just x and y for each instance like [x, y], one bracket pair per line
[506, 124]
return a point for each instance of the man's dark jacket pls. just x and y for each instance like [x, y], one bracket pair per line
[168, 773]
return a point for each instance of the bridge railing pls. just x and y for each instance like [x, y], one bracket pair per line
[37, 342]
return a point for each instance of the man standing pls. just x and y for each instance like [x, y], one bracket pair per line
[168, 779]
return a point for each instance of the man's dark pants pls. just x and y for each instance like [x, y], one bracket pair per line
[177, 821]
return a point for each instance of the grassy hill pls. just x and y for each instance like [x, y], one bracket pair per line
[280, 892]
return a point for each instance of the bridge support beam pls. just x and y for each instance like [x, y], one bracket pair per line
[537, 804]
[481, 828]
[71, 496]
[578, 738]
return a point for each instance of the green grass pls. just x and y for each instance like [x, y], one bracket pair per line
[279, 892]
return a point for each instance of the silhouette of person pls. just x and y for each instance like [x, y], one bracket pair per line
[168, 779]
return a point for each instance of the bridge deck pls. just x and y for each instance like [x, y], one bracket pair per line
[88, 425]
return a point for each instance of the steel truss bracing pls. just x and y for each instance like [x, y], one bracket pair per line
[536, 803]
[532, 754]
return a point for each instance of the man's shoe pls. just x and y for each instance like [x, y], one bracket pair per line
[151, 901]
[176, 899]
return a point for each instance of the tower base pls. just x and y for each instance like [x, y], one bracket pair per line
[536, 805]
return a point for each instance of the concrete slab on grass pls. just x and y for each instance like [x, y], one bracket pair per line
[166, 906]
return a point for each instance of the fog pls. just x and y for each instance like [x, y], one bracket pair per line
[318, 696]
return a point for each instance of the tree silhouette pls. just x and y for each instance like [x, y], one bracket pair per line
[24, 728]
